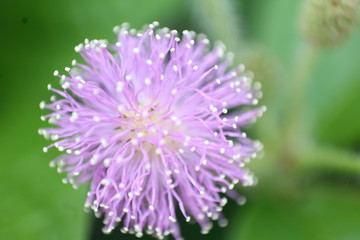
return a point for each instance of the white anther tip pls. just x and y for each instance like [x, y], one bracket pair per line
[42, 104]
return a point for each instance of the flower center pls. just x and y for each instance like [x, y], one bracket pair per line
[150, 126]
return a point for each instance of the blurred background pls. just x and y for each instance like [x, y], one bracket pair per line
[309, 177]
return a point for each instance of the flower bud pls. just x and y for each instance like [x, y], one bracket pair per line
[326, 23]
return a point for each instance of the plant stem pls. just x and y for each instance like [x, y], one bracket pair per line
[330, 158]
[294, 119]
[295, 138]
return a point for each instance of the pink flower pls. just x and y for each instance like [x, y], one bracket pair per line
[150, 122]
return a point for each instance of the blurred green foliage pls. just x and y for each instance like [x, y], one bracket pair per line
[39, 36]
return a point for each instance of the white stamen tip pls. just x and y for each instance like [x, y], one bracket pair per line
[105, 182]
[42, 105]
[128, 77]
[147, 81]
[106, 162]
[136, 50]
[171, 218]
[104, 143]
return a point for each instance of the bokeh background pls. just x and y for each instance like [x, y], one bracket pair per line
[309, 185]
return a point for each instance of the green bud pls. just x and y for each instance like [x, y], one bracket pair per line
[326, 23]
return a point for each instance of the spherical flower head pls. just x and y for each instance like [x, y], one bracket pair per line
[326, 23]
[149, 122]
